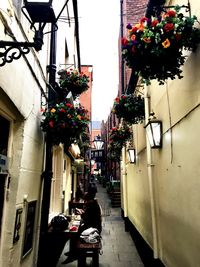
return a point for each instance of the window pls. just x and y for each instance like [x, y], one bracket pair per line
[4, 134]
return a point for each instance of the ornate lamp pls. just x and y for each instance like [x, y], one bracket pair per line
[37, 11]
[37, 8]
[154, 132]
[98, 142]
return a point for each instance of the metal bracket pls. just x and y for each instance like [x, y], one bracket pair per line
[187, 7]
[14, 51]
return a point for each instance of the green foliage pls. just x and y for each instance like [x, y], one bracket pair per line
[155, 47]
[130, 108]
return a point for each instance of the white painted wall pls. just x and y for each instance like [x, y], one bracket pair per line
[21, 83]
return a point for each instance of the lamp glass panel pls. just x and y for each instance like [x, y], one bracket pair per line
[131, 153]
[150, 135]
[156, 133]
[98, 144]
[38, 1]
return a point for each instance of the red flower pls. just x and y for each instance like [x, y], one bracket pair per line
[143, 20]
[69, 105]
[169, 27]
[171, 13]
[123, 97]
[51, 124]
[117, 99]
[62, 110]
[124, 41]
[154, 23]
[134, 29]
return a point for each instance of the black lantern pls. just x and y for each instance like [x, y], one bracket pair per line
[154, 132]
[132, 155]
[37, 12]
[40, 10]
[98, 142]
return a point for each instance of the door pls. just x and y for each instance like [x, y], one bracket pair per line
[4, 135]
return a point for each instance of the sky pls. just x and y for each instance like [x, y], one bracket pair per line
[99, 28]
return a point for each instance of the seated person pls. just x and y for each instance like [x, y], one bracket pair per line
[90, 217]
[91, 214]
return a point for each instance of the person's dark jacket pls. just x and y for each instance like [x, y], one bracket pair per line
[91, 216]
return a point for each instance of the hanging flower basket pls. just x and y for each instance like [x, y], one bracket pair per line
[155, 47]
[64, 122]
[118, 137]
[73, 81]
[130, 108]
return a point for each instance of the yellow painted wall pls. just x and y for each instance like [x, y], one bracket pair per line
[175, 169]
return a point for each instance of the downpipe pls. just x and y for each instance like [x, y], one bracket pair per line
[151, 180]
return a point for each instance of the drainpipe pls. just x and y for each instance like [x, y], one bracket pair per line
[124, 189]
[48, 173]
[151, 179]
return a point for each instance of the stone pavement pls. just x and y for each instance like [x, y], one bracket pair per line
[117, 245]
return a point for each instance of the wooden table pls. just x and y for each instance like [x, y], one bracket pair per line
[54, 243]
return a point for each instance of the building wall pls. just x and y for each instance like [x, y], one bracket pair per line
[22, 85]
[86, 97]
[162, 187]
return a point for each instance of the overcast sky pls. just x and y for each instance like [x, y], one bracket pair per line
[99, 27]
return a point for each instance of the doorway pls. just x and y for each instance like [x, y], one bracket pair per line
[4, 136]
[2, 194]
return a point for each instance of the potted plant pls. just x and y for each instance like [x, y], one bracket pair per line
[154, 48]
[130, 108]
[72, 80]
[64, 122]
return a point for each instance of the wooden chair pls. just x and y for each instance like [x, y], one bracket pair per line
[86, 250]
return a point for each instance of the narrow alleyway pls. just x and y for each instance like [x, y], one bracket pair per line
[118, 247]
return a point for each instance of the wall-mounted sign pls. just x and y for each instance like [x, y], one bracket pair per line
[16, 236]
[29, 227]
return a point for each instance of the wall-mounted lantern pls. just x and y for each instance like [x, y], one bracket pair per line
[37, 12]
[154, 132]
